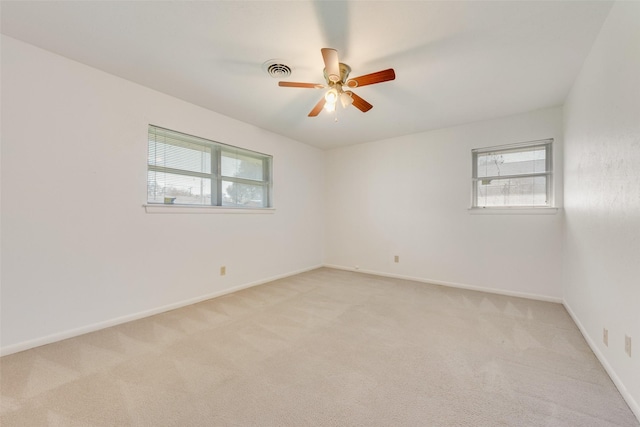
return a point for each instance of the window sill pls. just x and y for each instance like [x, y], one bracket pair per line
[514, 211]
[190, 209]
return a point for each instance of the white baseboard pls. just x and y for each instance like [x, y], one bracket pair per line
[635, 408]
[453, 285]
[59, 336]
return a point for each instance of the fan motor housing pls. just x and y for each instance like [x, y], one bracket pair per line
[344, 73]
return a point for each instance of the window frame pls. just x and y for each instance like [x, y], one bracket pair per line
[548, 145]
[217, 149]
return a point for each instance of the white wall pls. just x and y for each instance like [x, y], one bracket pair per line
[409, 196]
[78, 249]
[602, 197]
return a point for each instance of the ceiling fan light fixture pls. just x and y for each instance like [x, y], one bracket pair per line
[345, 99]
[329, 107]
[331, 96]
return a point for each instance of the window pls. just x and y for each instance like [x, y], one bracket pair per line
[518, 175]
[187, 170]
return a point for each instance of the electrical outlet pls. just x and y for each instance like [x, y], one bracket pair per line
[396, 258]
[627, 345]
[223, 270]
[605, 336]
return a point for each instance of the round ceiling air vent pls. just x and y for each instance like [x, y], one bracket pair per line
[276, 69]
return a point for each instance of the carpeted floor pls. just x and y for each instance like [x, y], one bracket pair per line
[323, 348]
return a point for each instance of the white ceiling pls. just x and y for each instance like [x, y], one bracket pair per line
[455, 62]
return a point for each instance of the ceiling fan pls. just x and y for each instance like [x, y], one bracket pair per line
[336, 75]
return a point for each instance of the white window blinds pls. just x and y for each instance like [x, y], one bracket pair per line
[518, 175]
[187, 170]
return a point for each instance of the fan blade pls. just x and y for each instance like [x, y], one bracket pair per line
[316, 110]
[331, 64]
[373, 78]
[305, 85]
[359, 103]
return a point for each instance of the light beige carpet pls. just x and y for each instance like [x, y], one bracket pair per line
[323, 348]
